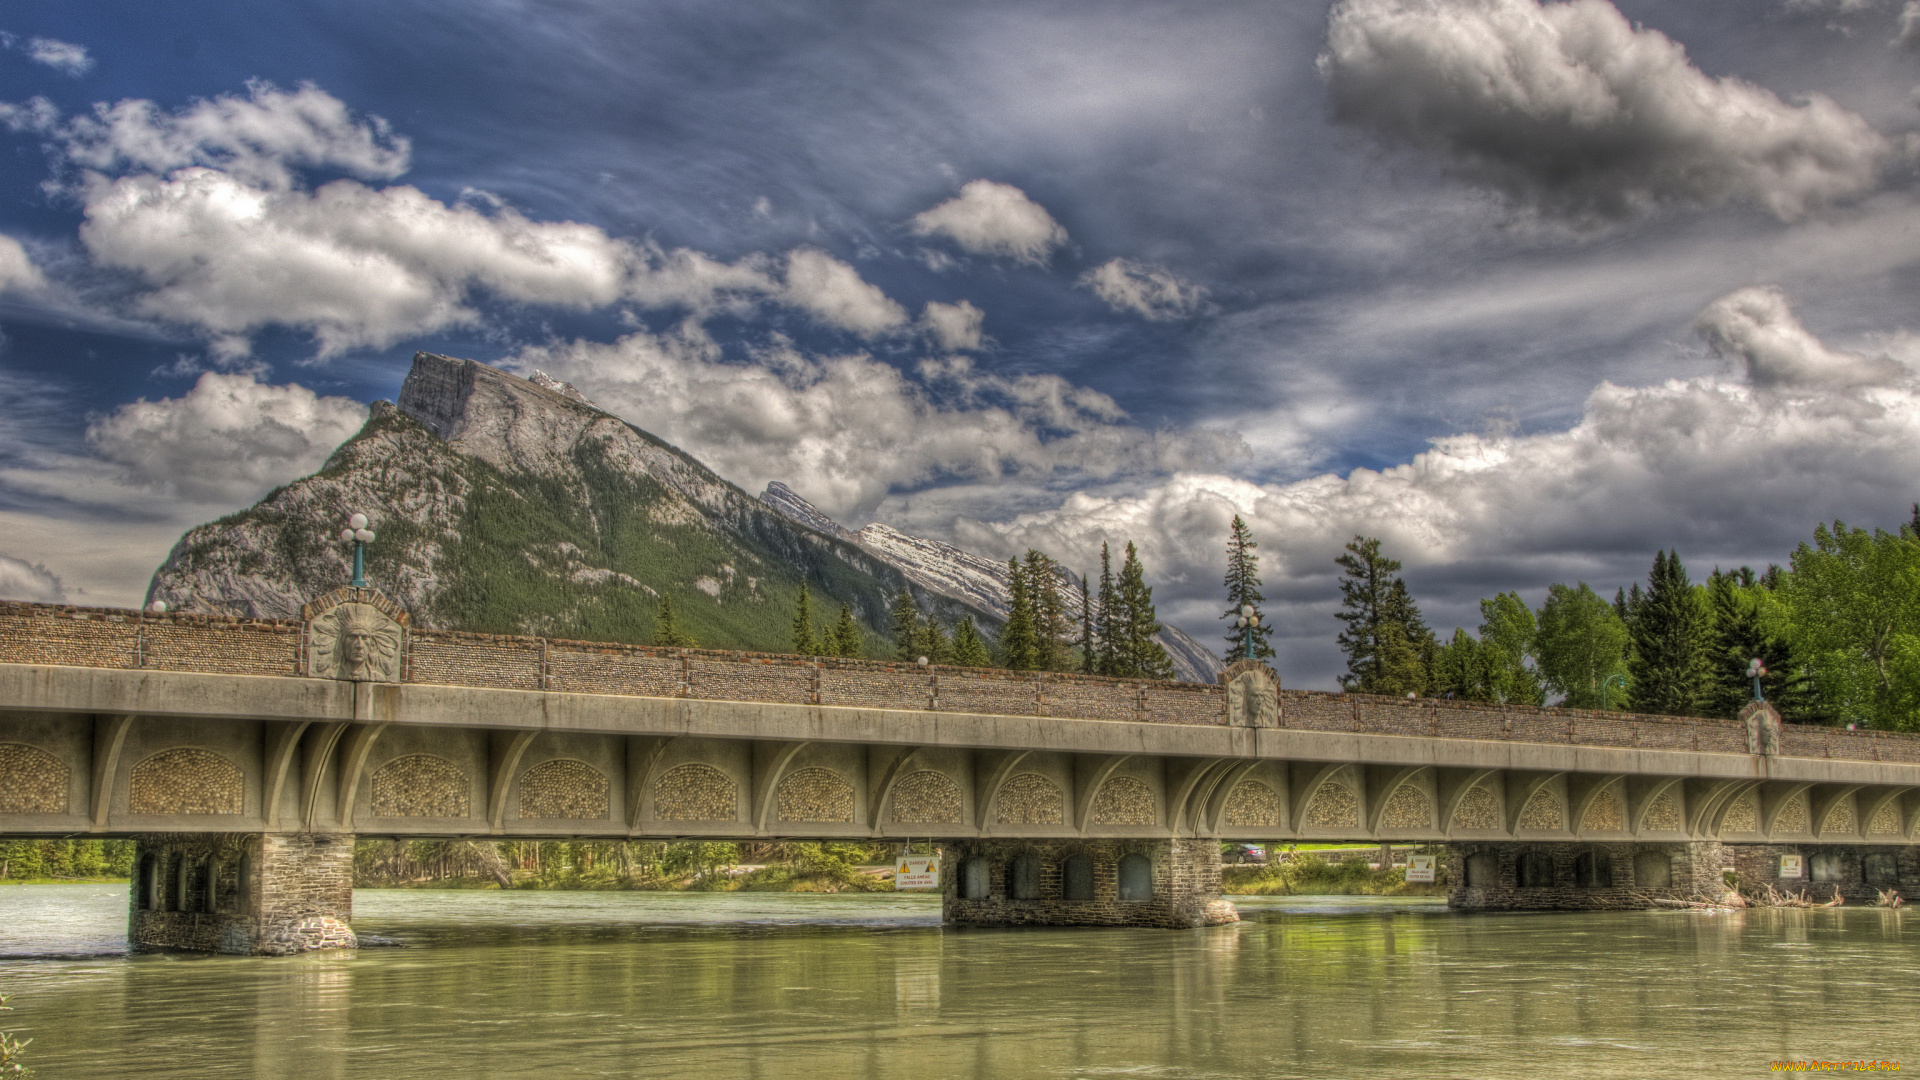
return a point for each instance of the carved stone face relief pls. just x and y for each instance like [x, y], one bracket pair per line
[354, 642]
[1251, 699]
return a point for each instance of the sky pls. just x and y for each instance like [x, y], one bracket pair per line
[1526, 291]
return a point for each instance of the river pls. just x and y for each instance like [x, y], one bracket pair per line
[818, 987]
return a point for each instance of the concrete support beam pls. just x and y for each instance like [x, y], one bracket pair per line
[1166, 883]
[248, 895]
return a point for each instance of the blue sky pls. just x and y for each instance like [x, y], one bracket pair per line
[1526, 291]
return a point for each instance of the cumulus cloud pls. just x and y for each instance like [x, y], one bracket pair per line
[846, 430]
[1152, 292]
[834, 293]
[17, 271]
[1757, 327]
[954, 327]
[1572, 111]
[1735, 466]
[64, 57]
[989, 218]
[22, 580]
[230, 438]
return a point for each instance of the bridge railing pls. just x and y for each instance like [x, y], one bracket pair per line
[176, 641]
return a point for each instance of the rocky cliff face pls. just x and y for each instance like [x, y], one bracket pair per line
[506, 505]
[978, 581]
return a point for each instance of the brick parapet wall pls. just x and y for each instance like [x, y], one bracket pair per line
[117, 638]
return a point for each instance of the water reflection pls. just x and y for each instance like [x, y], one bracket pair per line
[566, 985]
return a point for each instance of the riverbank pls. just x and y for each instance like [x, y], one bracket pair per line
[1307, 874]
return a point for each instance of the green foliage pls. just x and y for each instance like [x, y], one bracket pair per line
[11, 1048]
[1051, 631]
[1243, 587]
[1019, 639]
[1850, 607]
[66, 860]
[1668, 628]
[1089, 651]
[1580, 642]
[804, 643]
[969, 648]
[1389, 648]
[1739, 636]
[845, 640]
[933, 643]
[1310, 874]
[1136, 655]
[666, 628]
[1105, 621]
[906, 627]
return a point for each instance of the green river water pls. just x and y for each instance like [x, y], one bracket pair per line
[805, 987]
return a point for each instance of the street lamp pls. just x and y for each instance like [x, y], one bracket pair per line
[1248, 619]
[357, 534]
[1756, 671]
[1622, 679]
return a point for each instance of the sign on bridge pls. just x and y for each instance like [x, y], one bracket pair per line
[917, 872]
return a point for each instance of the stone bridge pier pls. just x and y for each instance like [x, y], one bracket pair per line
[1508, 876]
[1165, 883]
[261, 894]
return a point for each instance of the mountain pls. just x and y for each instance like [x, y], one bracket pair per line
[513, 505]
[975, 580]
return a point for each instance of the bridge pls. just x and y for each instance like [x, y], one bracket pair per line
[246, 755]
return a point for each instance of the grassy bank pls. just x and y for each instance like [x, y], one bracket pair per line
[615, 865]
[1307, 874]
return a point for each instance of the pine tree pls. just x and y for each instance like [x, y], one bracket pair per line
[1243, 588]
[969, 649]
[1385, 637]
[906, 627]
[666, 627]
[1140, 656]
[1050, 627]
[845, 641]
[804, 641]
[1738, 639]
[1088, 661]
[1018, 639]
[933, 642]
[1108, 620]
[1668, 628]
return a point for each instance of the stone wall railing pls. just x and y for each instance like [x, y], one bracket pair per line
[115, 638]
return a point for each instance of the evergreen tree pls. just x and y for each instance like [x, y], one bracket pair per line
[933, 642]
[1385, 637]
[804, 641]
[1050, 626]
[1243, 587]
[906, 626]
[1139, 655]
[1668, 629]
[969, 649]
[1018, 639]
[1088, 661]
[1739, 638]
[666, 627]
[845, 641]
[1581, 643]
[1108, 620]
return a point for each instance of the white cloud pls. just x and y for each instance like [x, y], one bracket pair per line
[846, 430]
[834, 293]
[22, 580]
[989, 218]
[1726, 467]
[229, 439]
[1152, 292]
[17, 272]
[1907, 30]
[1573, 111]
[1757, 327]
[955, 327]
[61, 56]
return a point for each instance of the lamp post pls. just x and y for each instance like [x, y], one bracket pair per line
[357, 534]
[1622, 679]
[1757, 671]
[1248, 619]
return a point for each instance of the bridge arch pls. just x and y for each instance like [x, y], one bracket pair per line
[814, 794]
[926, 797]
[695, 791]
[32, 781]
[421, 786]
[564, 788]
[186, 780]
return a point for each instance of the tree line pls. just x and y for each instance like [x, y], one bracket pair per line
[1836, 632]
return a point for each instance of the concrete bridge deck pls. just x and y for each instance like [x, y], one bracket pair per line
[275, 742]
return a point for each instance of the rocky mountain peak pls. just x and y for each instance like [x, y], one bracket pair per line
[788, 502]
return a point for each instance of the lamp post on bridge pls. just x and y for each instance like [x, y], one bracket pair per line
[1249, 618]
[1757, 671]
[1604, 700]
[357, 534]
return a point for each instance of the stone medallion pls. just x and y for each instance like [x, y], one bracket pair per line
[1253, 694]
[356, 635]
